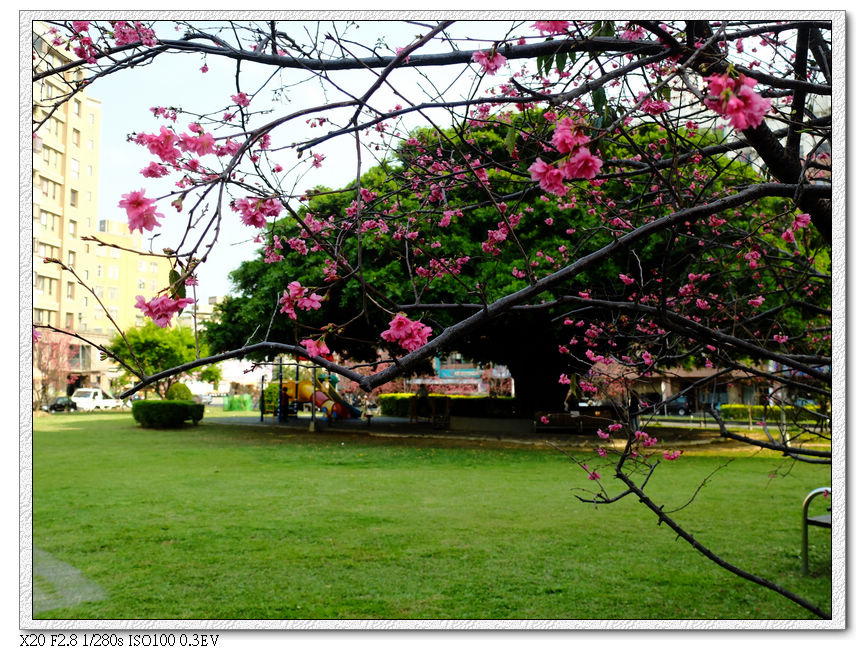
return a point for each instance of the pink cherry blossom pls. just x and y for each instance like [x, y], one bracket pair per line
[672, 455]
[36, 334]
[154, 170]
[544, 418]
[410, 334]
[564, 379]
[161, 144]
[552, 26]
[800, 221]
[627, 279]
[315, 348]
[140, 211]
[756, 302]
[653, 106]
[490, 61]
[550, 177]
[161, 308]
[735, 99]
[582, 164]
[241, 99]
[566, 138]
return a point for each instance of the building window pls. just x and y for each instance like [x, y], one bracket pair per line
[142, 284]
[76, 137]
[39, 283]
[76, 107]
[90, 144]
[99, 270]
[75, 169]
[113, 293]
[142, 266]
[70, 320]
[73, 198]
[154, 267]
[42, 316]
[113, 272]
[70, 259]
[103, 225]
[73, 228]
[70, 290]
[92, 118]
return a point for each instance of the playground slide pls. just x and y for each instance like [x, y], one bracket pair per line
[326, 398]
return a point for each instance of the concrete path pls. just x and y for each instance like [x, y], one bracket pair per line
[58, 584]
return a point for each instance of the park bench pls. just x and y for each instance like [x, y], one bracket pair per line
[820, 521]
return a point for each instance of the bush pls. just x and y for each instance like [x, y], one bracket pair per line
[399, 405]
[166, 414]
[770, 413]
[178, 391]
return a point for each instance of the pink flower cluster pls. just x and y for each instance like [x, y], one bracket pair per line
[295, 296]
[254, 211]
[161, 308]
[140, 211]
[410, 334]
[568, 139]
[490, 61]
[316, 348]
[735, 99]
[126, 34]
[800, 221]
[652, 106]
[552, 26]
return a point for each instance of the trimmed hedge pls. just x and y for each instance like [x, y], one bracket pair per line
[771, 413]
[178, 391]
[166, 414]
[399, 405]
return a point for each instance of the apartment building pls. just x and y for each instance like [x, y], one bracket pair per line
[95, 294]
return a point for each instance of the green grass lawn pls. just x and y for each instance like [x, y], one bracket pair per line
[234, 522]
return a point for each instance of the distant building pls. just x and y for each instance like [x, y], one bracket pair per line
[66, 225]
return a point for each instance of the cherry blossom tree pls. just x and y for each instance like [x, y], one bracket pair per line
[637, 195]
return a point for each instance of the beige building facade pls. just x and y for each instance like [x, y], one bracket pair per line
[92, 291]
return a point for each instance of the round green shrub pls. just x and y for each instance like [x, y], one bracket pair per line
[178, 391]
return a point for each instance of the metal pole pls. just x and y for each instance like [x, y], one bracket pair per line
[261, 400]
[279, 408]
[296, 382]
[312, 402]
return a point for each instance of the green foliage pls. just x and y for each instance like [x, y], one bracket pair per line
[155, 348]
[211, 374]
[399, 405]
[745, 412]
[178, 391]
[166, 414]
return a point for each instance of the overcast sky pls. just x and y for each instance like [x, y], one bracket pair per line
[176, 80]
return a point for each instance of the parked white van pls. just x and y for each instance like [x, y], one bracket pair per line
[91, 399]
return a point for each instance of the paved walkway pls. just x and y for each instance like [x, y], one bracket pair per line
[386, 426]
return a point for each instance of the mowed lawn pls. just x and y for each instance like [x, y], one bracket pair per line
[235, 522]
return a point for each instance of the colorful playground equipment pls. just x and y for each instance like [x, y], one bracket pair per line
[326, 398]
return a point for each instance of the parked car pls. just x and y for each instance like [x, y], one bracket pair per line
[93, 399]
[679, 406]
[60, 404]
